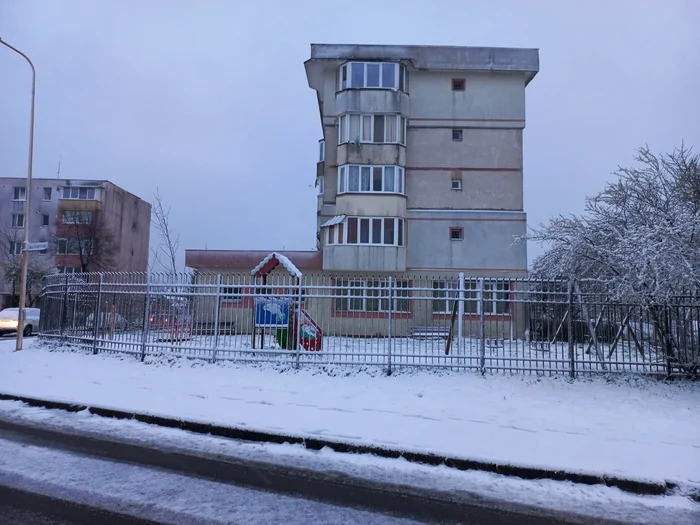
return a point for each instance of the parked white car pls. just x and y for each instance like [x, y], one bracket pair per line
[9, 319]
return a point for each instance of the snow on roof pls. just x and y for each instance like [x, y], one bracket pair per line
[283, 260]
[335, 220]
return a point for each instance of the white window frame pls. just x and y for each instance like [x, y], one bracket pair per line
[496, 296]
[19, 194]
[365, 128]
[333, 233]
[18, 220]
[75, 193]
[459, 184]
[73, 217]
[345, 76]
[15, 247]
[365, 172]
[322, 150]
[321, 184]
[47, 192]
[48, 220]
[371, 295]
[70, 243]
[69, 269]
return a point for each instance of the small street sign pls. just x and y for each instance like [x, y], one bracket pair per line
[37, 246]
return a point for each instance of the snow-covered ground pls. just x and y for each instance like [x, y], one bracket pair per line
[628, 427]
[174, 496]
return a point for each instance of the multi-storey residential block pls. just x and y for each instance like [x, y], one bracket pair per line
[89, 225]
[420, 175]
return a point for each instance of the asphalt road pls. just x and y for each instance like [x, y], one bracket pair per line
[326, 487]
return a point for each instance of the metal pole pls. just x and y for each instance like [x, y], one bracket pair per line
[146, 318]
[217, 310]
[570, 330]
[27, 209]
[389, 339]
[460, 313]
[482, 328]
[95, 334]
[64, 310]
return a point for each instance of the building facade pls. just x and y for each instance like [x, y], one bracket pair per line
[420, 177]
[89, 225]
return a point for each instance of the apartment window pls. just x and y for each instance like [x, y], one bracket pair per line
[15, 248]
[458, 84]
[378, 129]
[69, 269]
[321, 150]
[19, 194]
[47, 194]
[77, 217]
[75, 246]
[457, 135]
[496, 297]
[18, 220]
[385, 231]
[354, 178]
[456, 184]
[373, 75]
[78, 193]
[371, 295]
[230, 294]
[44, 220]
[456, 234]
[320, 184]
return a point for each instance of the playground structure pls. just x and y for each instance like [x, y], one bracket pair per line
[284, 312]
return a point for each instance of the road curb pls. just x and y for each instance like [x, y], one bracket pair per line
[634, 486]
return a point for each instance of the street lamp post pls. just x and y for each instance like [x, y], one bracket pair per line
[27, 211]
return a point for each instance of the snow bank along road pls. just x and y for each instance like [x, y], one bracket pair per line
[221, 489]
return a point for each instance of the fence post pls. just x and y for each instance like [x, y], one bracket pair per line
[389, 321]
[482, 328]
[97, 315]
[299, 323]
[570, 330]
[146, 317]
[217, 313]
[460, 314]
[64, 310]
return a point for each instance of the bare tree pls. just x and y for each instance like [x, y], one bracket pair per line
[165, 253]
[11, 266]
[84, 234]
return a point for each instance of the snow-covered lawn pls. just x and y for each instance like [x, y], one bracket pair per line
[629, 427]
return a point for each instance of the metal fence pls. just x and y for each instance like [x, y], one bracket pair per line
[489, 325]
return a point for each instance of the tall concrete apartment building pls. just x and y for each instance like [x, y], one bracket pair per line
[89, 225]
[421, 162]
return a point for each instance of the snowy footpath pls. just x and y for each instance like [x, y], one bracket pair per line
[626, 427]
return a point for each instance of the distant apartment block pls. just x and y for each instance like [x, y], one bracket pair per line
[89, 225]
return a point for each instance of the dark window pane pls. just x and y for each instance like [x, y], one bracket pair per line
[388, 231]
[379, 128]
[389, 75]
[400, 235]
[352, 230]
[372, 75]
[364, 231]
[376, 231]
[354, 179]
[377, 179]
[83, 193]
[366, 178]
[358, 75]
[344, 77]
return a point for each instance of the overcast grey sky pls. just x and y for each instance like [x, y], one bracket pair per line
[208, 100]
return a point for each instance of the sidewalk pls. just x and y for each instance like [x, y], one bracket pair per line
[628, 428]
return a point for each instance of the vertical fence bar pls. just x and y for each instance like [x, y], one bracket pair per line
[570, 330]
[217, 313]
[460, 313]
[146, 317]
[390, 284]
[64, 309]
[299, 323]
[96, 329]
[482, 328]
